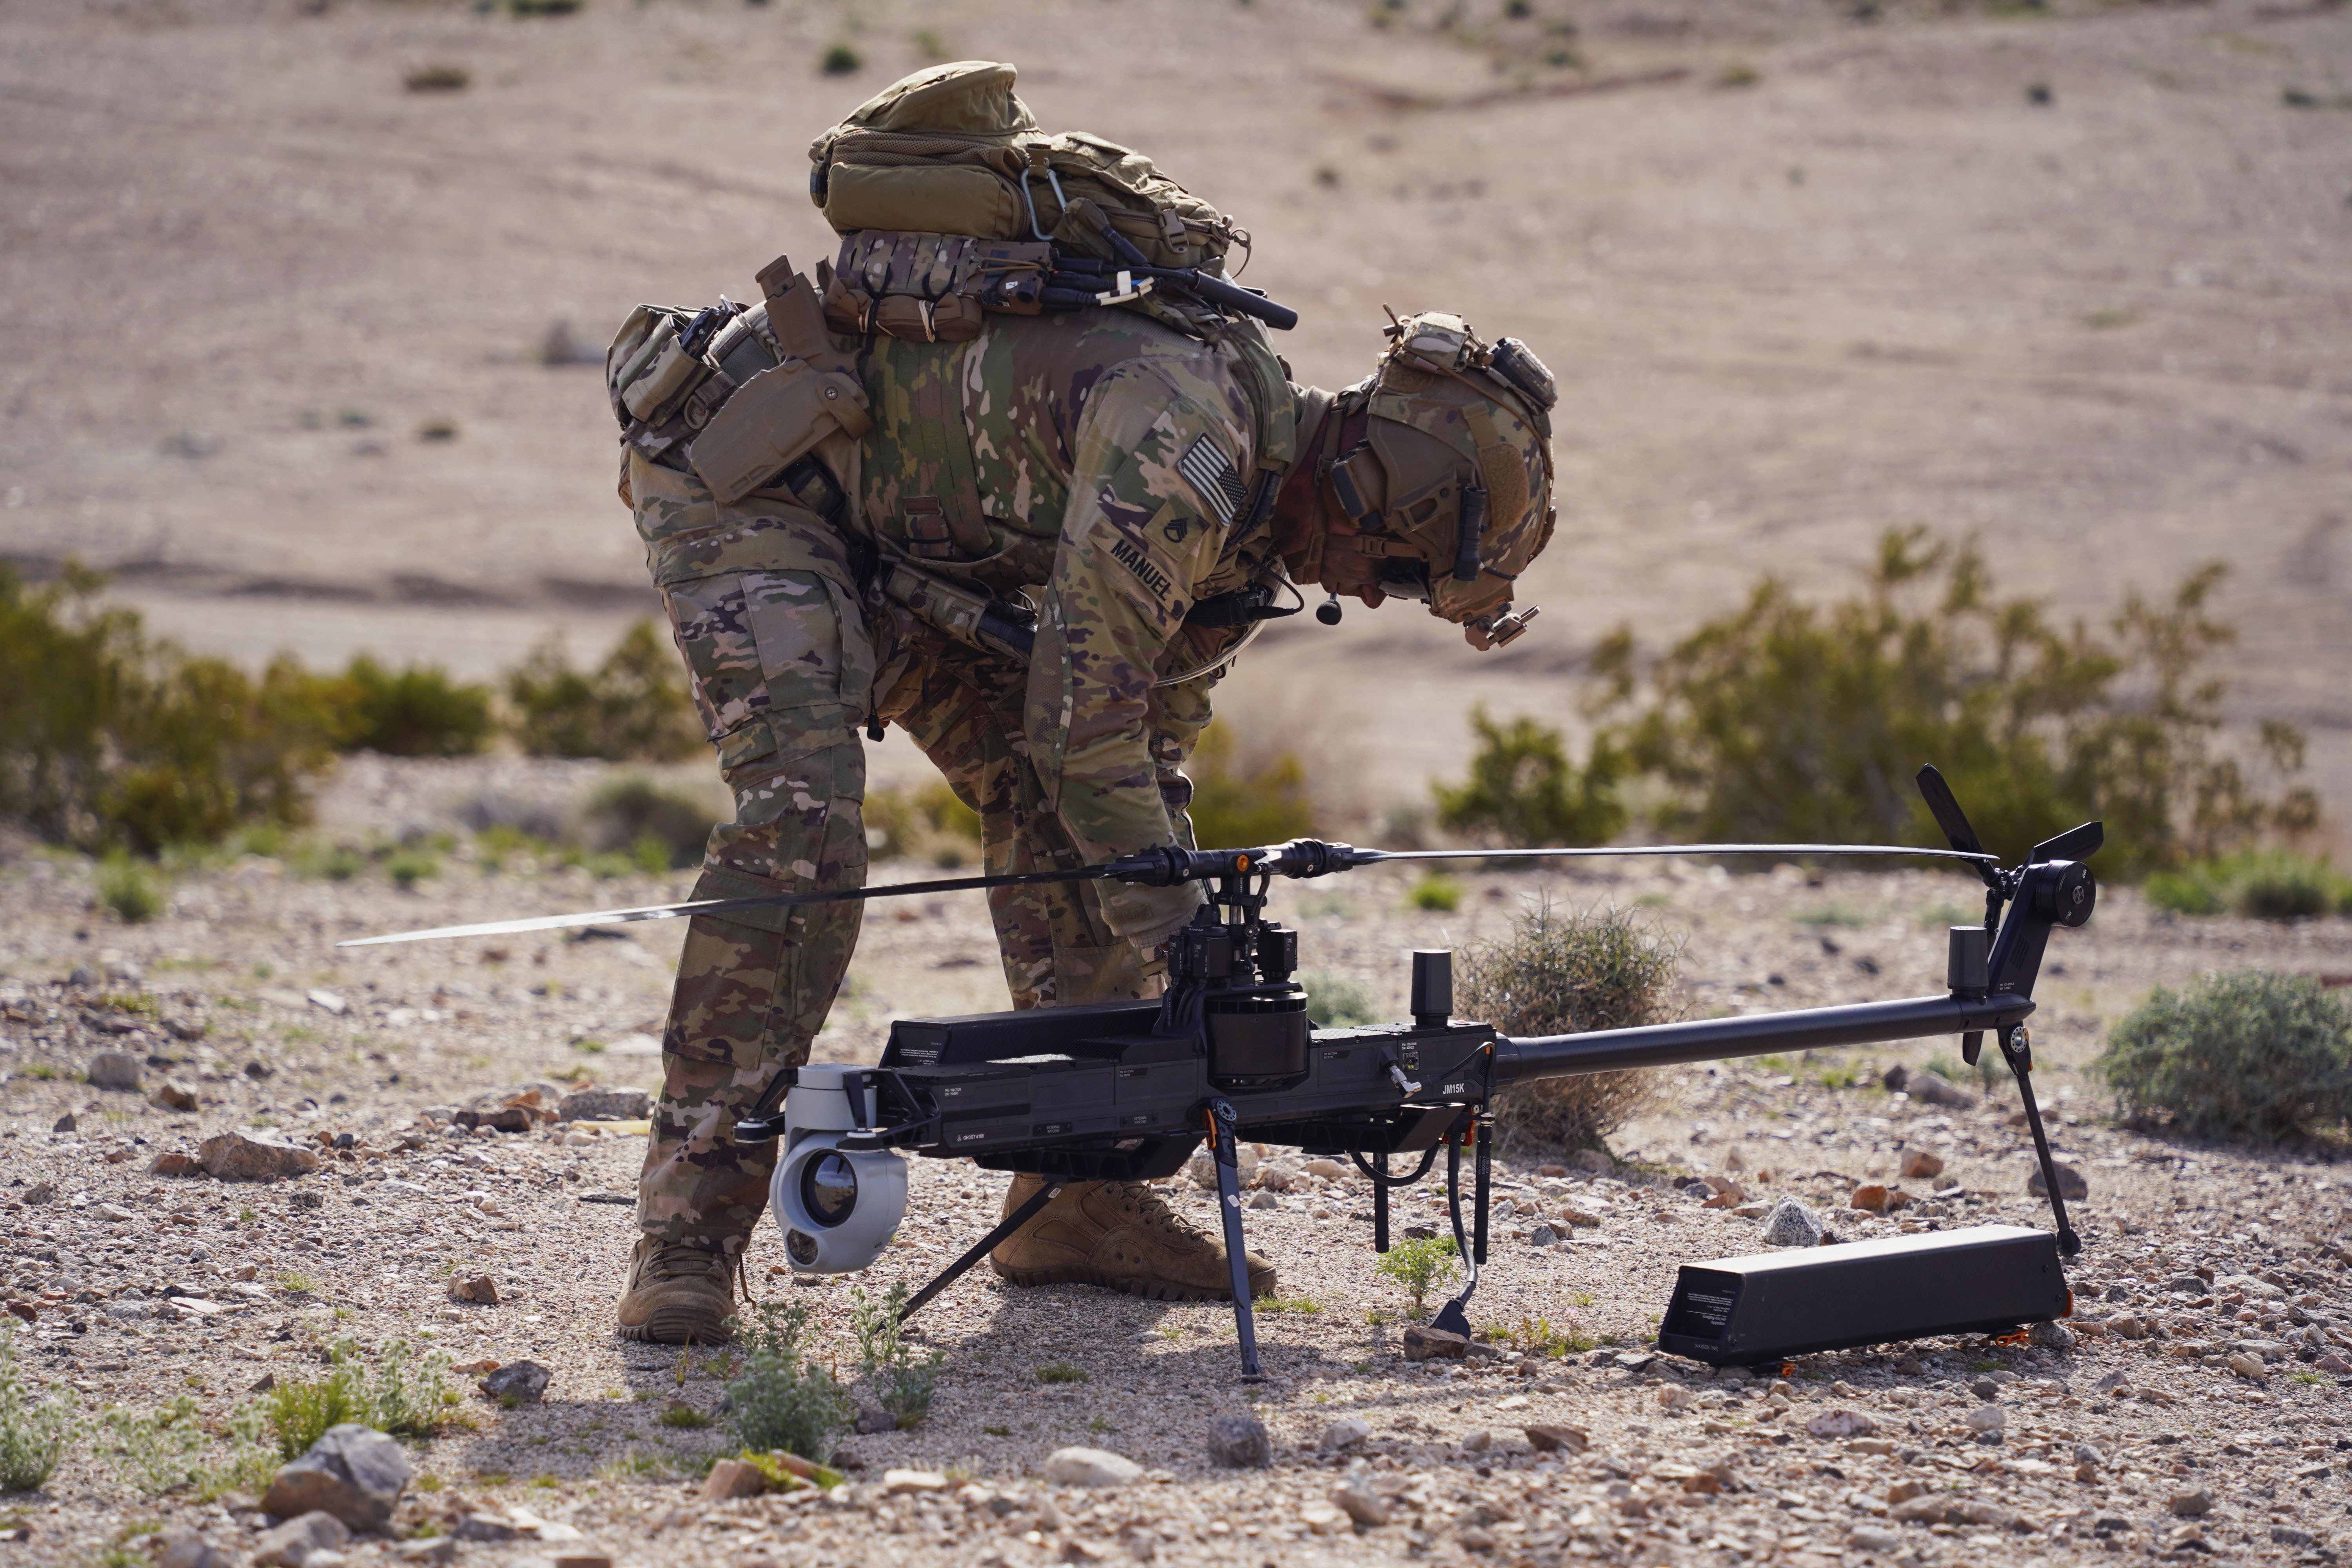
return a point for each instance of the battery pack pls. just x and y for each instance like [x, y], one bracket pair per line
[1988, 1279]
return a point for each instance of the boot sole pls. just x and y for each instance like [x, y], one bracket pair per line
[1147, 1290]
[671, 1326]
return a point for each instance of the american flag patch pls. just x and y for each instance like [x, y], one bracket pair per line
[1213, 479]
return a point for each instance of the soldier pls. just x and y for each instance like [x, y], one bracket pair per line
[1145, 492]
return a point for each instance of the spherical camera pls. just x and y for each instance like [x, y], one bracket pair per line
[837, 1207]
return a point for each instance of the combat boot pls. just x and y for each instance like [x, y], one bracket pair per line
[677, 1294]
[1121, 1235]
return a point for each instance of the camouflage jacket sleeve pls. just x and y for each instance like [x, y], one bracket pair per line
[1158, 476]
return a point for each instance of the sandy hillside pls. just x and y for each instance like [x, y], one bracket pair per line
[2068, 278]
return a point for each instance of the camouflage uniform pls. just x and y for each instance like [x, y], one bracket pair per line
[1100, 463]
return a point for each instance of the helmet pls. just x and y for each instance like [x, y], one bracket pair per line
[1437, 473]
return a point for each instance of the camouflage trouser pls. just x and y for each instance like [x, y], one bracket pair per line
[783, 654]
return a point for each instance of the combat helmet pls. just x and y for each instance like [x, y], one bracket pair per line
[1437, 475]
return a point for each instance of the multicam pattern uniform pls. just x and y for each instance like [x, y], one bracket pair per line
[1042, 457]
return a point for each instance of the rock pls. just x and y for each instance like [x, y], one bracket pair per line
[1930, 1509]
[1841, 1423]
[1090, 1468]
[871, 1419]
[2288, 1535]
[435, 1550]
[600, 1104]
[173, 1162]
[2249, 1286]
[1725, 1192]
[517, 1383]
[901, 1483]
[2333, 1365]
[290, 1545]
[1356, 1498]
[2070, 1184]
[481, 1289]
[486, 1526]
[180, 1547]
[1322, 1519]
[1557, 1440]
[1935, 1088]
[1870, 1199]
[2248, 1366]
[2191, 1505]
[354, 1472]
[1424, 1343]
[1904, 1491]
[1345, 1434]
[2051, 1336]
[1985, 1418]
[1674, 1396]
[583, 1560]
[1477, 1442]
[1544, 1236]
[1976, 1510]
[1328, 1169]
[328, 1002]
[253, 1157]
[1919, 1162]
[172, 1095]
[308, 1198]
[40, 1193]
[1792, 1223]
[115, 1069]
[1873, 1537]
[733, 1478]
[1261, 1199]
[1239, 1443]
[2127, 1327]
[1595, 1162]
[65, 1123]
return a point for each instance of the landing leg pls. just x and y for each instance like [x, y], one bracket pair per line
[1221, 1135]
[1380, 1206]
[2017, 1048]
[1454, 1317]
[1484, 1189]
[983, 1246]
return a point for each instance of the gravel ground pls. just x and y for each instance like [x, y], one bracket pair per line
[2193, 1412]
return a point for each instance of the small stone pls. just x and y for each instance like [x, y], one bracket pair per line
[1345, 1434]
[180, 1547]
[40, 1193]
[583, 1560]
[486, 1526]
[1475, 1538]
[1328, 1169]
[1090, 1468]
[115, 1069]
[1356, 1498]
[1927, 1508]
[1919, 1162]
[481, 1289]
[1322, 1519]
[1904, 1491]
[733, 1478]
[1674, 1396]
[2333, 1365]
[1935, 1088]
[172, 1095]
[1558, 1439]
[601, 1104]
[1870, 1199]
[252, 1157]
[65, 1123]
[2072, 1187]
[308, 1198]
[2251, 1286]
[1477, 1442]
[1792, 1223]
[2127, 1327]
[1424, 1343]
[2191, 1505]
[1239, 1443]
[2050, 1336]
[328, 1002]
[1985, 1418]
[433, 1551]
[872, 1419]
[1263, 1199]
[2248, 1366]
[1841, 1423]
[517, 1383]
[292, 1543]
[1543, 1236]
[173, 1162]
[2288, 1535]
[1873, 1537]
[899, 1483]
[354, 1472]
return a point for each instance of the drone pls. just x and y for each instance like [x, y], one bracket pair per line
[1131, 1090]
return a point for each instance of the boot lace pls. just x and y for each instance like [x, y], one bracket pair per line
[1152, 1209]
[684, 1260]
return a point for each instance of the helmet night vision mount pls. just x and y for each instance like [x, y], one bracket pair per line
[1128, 1092]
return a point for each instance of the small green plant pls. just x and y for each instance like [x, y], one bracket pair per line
[1296, 1306]
[155, 1451]
[1523, 791]
[684, 1416]
[1337, 1001]
[840, 59]
[438, 79]
[295, 1283]
[1435, 892]
[998, 1431]
[1237, 804]
[2250, 1056]
[632, 708]
[33, 1437]
[1536, 1336]
[1834, 915]
[1418, 1265]
[785, 1399]
[660, 829]
[904, 1382]
[396, 1390]
[127, 887]
[1061, 1371]
[406, 868]
[2266, 884]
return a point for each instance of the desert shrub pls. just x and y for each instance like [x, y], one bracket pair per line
[2267, 884]
[2250, 1056]
[155, 1451]
[109, 739]
[1522, 791]
[1240, 808]
[394, 1390]
[1788, 722]
[417, 711]
[1435, 892]
[785, 1399]
[634, 707]
[1558, 973]
[1417, 1266]
[840, 59]
[1335, 1001]
[406, 868]
[659, 828]
[903, 1382]
[128, 888]
[441, 78]
[33, 1437]
[928, 822]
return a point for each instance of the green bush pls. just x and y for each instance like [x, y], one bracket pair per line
[1419, 1265]
[1335, 1001]
[406, 868]
[2250, 1056]
[784, 1400]
[632, 708]
[1435, 892]
[1524, 792]
[155, 1451]
[659, 828]
[1786, 721]
[127, 887]
[904, 1382]
[112, 740]
[417, 711]
[2266, 884]
[1232, 809]
[33, 1437]
[395, 1391]
[1556, 974]
[840, 59]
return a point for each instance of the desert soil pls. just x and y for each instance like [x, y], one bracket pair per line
[2066, 277]
[2212, 1282]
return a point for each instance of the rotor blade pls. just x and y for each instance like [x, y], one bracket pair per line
[2074, 844]
[731, 905]
[1949, 816]
[1374, 855]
